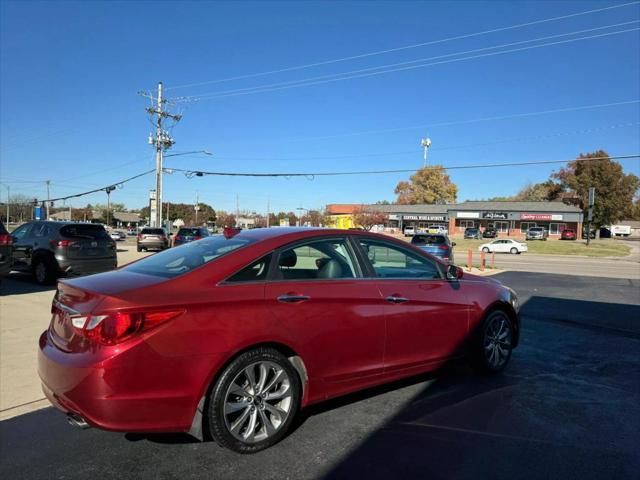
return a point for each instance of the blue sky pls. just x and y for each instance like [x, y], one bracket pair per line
[70, 73]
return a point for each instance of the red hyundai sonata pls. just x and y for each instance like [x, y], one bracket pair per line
[233, 334]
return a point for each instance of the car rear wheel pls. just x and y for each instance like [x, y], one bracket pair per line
[44, 271]
[493, 351]
[486, 250]
[514, 250]
[254, 401]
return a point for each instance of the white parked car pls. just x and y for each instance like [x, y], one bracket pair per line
[409, 231]
[438, 229]
[503, 246]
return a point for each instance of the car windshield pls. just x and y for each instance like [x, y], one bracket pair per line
[429, 240]
[189, 232]
[471, 230]
[180, 260]
[536, 229]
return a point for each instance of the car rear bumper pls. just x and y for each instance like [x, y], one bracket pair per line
[135, 390]
[87, 266]
[153, 244]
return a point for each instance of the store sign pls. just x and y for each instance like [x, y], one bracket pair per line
[468, 215]
[432, 218]
[495, 215]
[539, 216]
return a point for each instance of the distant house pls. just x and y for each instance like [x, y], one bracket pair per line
[62, 216]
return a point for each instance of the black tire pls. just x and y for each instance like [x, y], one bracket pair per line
[482, 359]
[216, 420]
[514, 251]
[486, 250]
[139, 249]
[44, 270]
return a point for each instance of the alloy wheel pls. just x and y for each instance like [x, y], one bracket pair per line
[41, 272]
[497, 341]
[258, 402]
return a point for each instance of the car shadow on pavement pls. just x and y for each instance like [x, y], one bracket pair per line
[18, 283]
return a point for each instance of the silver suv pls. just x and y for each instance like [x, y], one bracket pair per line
[52, 249]
[537, 233]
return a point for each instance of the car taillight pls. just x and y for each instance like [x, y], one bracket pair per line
[443, 247]
[117, 327]
[139, 236]
[61, 243]
[5, 240]
[197, 237]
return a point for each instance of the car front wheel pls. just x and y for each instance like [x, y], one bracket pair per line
[514, 251]
[254, 401]
[486, 250]
[44, 271]
[494, 349]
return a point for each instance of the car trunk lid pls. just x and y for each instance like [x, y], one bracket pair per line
[78, 298]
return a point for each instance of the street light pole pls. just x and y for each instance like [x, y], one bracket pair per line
[109, 190]
[8, 199]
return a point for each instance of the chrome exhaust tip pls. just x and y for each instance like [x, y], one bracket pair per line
[77, 421]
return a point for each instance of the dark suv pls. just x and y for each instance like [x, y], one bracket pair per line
[51, 249]
[5, 251]
[189, 234]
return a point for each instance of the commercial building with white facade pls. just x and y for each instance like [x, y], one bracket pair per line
[510, 219]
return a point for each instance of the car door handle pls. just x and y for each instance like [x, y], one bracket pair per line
[291, 298]
[396, 299]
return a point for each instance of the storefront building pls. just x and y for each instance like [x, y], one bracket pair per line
[513, 219]
[510, 219]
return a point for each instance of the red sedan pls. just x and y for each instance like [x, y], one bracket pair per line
[568, 234]
[235, 333]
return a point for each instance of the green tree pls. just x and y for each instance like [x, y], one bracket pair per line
[615, 190]
[428, 185]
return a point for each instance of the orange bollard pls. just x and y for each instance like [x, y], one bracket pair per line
[470, 259]
[493, 260]
[482, 261]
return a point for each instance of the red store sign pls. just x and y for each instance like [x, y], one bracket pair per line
[534, 216]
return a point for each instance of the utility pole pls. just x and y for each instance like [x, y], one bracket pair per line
[237, 207]
[162, 142]
[592, 201]
[426, 143]
[109, 190]
[268, 211]
[48, 200]
[8, 199]
[196, 207]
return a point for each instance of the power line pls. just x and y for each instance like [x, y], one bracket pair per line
[103, 189]
[311, 176]
[406, 47]
[453, 147]
[310, 81]
[411, 62]
[469, 121]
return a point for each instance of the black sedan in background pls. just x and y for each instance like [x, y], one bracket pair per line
[489, 233]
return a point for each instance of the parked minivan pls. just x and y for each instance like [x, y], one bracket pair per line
[537, 233]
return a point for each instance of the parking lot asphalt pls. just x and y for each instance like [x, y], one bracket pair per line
[568, 406]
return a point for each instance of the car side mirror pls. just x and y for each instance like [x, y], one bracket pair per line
[454, 273]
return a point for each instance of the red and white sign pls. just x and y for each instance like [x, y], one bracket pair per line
[539, 216]
[534, 216]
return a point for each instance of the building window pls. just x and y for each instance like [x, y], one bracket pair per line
[525, 226]
[467, 223]
[556, 228]
[502, 227]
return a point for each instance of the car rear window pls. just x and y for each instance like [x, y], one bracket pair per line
[153, 231]
[471, 230]
[429, 240]
[84, 230]
[180, 260]
[536, 229]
